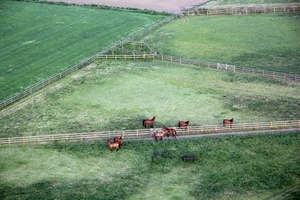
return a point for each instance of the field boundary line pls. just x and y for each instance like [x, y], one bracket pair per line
[147, 133]
[241, 10]
[82, 64]
[294, 78]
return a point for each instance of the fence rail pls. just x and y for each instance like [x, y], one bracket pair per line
[50, 80]
[245, 9]
[147, 133]
[187, 61]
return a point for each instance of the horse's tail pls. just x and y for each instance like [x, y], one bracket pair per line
[144, 123]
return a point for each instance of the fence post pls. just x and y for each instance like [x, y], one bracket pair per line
[263, 72]
[162, 57]
[234, 68]
[171, 58]
[9, 138]
[137, 133]
[298, 123]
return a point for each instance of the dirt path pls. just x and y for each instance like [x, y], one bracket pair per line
[172, 6]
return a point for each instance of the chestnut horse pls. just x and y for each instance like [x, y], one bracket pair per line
[113, 145]
[169, 130]
[228, 121]
[182, 123]
[148, 122]
[118, 140]
[158, 134]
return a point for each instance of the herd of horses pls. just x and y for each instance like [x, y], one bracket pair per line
[158, 134]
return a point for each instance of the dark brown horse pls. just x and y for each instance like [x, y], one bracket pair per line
[158, 134]
[228, 121]
[113, 145]
[118, 140]
[183, 124]
[169, 130]
[148, 122]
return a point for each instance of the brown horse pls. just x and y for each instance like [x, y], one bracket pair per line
[148, 122]
[228, 121]
[158, 134]
[169, 130]
[118, 140]
[113, 145]
[182, 124]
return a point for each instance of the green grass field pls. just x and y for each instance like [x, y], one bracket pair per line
[263, 41]
[229, 167]
[38, 41]
[116, 95]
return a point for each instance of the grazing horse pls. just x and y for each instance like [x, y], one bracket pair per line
[169, 130]
[158, 134]
[148, 122]
[228, 121]
[113, 145]
[182, 123]
[118, 140]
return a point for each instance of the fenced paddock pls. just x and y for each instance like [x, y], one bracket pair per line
[242, 10]
[147, 133]
[175, 59]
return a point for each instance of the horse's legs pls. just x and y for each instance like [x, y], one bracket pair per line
[167, 134]
[161, 138]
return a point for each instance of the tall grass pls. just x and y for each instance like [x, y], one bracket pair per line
[263, 41]
[39, 40]
[230, 167]
[116, 95]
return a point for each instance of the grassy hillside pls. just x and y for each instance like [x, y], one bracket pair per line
[116, 95]
[231, 167]
[40, 40]
[263, 41]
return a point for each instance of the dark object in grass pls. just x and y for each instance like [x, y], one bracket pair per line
[189, 158]
[113, 145]
[148, 122]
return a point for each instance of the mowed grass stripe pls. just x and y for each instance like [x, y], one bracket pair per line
[40, 40]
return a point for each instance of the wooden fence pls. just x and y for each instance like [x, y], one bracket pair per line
[187, 61]
[50, 80]
[147, 133]
[245, 9]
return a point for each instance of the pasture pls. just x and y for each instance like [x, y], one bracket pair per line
[262, 41]
[229, 167]
[38, 41]
[116, 95]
